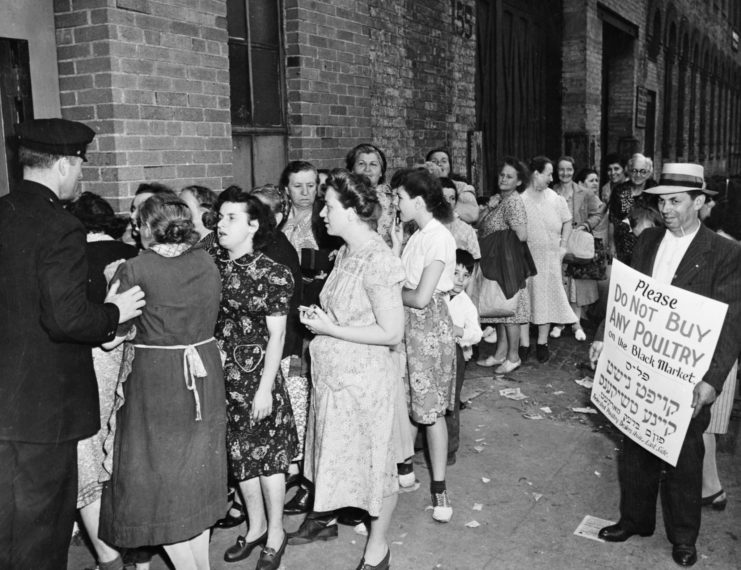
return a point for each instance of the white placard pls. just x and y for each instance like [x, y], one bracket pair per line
[659, 341]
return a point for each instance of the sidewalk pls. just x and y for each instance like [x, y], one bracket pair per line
[544, 476]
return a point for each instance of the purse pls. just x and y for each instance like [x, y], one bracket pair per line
[488, 297]
[595, 269]
[579, 248]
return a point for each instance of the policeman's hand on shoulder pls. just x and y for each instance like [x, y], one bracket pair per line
[129, 302]
[703, 395]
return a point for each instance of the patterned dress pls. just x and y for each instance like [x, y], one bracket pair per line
[510, 212]
[388, 201]
[428, 332]
[546, 214]
[253, 288]
[351, 452]
[621, 205]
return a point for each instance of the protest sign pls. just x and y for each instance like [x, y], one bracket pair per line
[659, 341]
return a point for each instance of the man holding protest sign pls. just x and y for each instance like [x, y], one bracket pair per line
[688, 256]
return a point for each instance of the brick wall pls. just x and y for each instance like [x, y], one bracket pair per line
[328, 78]
[393, 73]
[152, 78]
[583, 51]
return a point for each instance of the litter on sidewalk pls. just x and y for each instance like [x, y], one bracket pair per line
[477, 506]
[585, 382]
[512, 394]
[532, 416]
[590, 526]
[546, 410]
[586, 410]
[473, 524]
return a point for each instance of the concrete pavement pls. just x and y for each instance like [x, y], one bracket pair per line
[544, 476]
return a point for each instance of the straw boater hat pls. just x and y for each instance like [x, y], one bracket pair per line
[681, 177]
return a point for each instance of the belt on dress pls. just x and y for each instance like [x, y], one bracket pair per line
[192, 366]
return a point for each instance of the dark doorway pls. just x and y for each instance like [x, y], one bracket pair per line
[650, 139]
[15, 106]
[518, 80]
[618, 84]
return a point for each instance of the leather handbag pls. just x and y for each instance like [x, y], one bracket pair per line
[595, 269]
[488, 297]
[579, 248]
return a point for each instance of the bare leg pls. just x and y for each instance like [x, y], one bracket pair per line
[90, 515]
[437, 443]
[274, 492]
[181, 556]
[199, 549]
[577, 311]
[710, 480]
[377, 545]
[502, 343]
[543, 333]
[525, 334]
[513, 342]
[252, 496]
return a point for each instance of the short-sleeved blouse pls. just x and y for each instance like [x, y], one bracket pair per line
[508, 214]
[432, 243]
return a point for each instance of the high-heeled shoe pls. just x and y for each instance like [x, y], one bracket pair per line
[230, 521]
[302, 502]
[242, 549]
[384, 564]
[715, 501]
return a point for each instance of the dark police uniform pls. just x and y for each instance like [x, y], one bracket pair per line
[48, 392]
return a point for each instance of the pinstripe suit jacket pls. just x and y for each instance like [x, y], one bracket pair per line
[711, 267]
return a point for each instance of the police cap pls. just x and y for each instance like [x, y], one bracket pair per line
[55, 136]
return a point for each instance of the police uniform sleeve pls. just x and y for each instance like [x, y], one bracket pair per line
[66, 313]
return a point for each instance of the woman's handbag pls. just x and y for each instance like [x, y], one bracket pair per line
[579, 247]
[488, 297]
[595, 269]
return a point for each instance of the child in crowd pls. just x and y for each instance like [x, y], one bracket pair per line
[429, 263]
[467, 332]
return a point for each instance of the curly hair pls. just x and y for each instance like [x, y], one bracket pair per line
[206, 199]
[275, 198]
[97, 215]
[355, 191]
[419, 182]
[255, 209]
[169, 219]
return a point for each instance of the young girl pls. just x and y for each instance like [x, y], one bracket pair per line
[429, 262]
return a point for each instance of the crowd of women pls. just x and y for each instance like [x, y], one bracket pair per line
[298, 335]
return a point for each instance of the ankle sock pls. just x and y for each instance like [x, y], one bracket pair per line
[404, 468]
[115, 564]
[437, 487]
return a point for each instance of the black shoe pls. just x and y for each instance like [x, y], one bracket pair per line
[242, 549]
[302, 502]
[230, 521]
[542, 353]
[313, 529]
[269, 558]
[384, 564]
[684, 554]
[451, 458]
[616, 533]
[352, 516]
[717, 501]
[523, 352]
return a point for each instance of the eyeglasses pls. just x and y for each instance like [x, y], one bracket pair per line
[642, 171]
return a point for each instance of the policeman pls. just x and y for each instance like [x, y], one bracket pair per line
[48, 392]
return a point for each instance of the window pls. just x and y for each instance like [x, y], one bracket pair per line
[256, 77]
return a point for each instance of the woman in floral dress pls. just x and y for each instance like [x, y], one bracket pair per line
[261, 434]
[508, 214]
[350, 451]
[429, 263]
